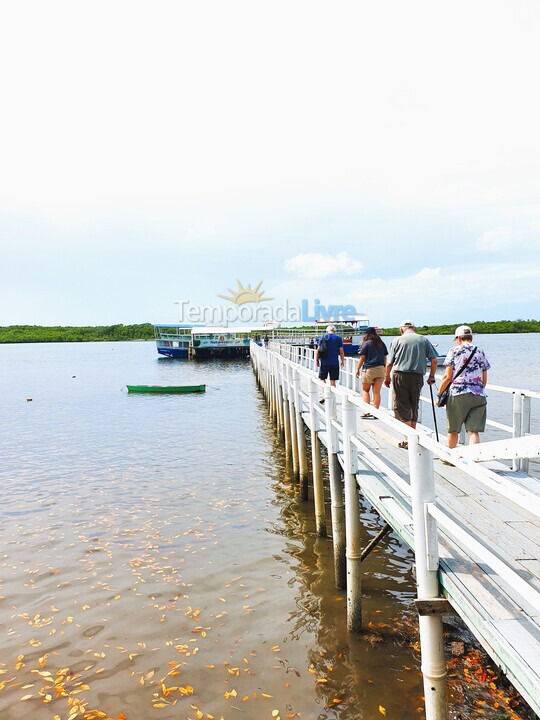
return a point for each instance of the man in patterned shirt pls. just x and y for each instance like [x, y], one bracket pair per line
[467, 400]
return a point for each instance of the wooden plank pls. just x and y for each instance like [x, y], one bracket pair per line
[500, 537]
[532, 567]
[502, 508]
[527, 529]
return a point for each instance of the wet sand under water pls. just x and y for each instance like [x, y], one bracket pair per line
[157, 566]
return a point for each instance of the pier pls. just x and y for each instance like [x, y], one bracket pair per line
[471, 515]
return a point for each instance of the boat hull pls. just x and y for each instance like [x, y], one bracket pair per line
[166, 389]
[173, 352]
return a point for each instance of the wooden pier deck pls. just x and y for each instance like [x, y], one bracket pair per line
[477, 539]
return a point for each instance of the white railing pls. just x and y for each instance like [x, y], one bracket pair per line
[291, 365]
[521, 399]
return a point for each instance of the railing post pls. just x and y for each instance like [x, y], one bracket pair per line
[517, 415]
[336, 490]
[352, 521]
[427, 582]
[525, 427]
[301, 437]
[318, 486]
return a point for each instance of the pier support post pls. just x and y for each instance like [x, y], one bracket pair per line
[352, 522]
[301, 437]
[318, 486]
[292, 420]
[427, 562]
[285, 410]
[336, 491]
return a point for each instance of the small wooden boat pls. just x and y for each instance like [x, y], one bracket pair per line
[166, 389]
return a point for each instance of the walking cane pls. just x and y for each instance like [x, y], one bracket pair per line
[434, 415]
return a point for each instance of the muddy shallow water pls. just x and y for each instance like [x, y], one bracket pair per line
[157, 562]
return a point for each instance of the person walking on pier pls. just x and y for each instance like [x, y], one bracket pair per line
[409, 354]
[371, 366]
[329, 355]
[465, 379]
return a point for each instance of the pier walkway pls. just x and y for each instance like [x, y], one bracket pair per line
[473, 524]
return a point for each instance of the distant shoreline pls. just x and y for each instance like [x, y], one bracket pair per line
[145, 331]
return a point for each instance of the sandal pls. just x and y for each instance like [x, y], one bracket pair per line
[404, 445]
[368, 416]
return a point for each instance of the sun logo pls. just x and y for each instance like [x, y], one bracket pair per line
[243, 295]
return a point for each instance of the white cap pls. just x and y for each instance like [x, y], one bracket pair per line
[330, 329]
[407, 324]
[462, 330]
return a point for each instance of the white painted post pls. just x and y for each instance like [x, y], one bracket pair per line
[517, 412]
[336, 490]
[318, 486]
[352, 522]
[427, 561]
[292, 417]
[285, 410]
[525, 427]
[301, 437]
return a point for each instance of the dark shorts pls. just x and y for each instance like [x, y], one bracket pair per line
[331, 371]
[407, 388]
[466, 408]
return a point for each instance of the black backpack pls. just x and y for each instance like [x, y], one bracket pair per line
[323, 347]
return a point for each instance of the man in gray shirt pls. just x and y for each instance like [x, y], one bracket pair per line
[408, 357]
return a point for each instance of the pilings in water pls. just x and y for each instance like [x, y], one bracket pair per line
[281, 382]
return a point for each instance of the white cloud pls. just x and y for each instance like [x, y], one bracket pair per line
[500, 239]
[431, 295]
[316, 266]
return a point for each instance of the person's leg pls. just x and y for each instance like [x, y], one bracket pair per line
[414, 384]
[455, 415]
[475, 422]
[377, 385]
[452, 439]
[333, 373]
[365, 393]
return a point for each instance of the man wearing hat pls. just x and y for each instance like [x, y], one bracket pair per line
[409, 356]
[466, 375]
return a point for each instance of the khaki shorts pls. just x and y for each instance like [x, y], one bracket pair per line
[466, 408]
[373, 374]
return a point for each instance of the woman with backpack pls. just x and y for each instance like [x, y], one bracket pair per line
[371, 366]
[462, 389]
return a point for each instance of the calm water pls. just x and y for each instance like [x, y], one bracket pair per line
[156, 560]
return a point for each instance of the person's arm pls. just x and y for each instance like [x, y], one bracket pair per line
[484, 377]
[360, 363]
[447, 379]
[317, 357]
[432, 371]
[387, 376]
[342, 356]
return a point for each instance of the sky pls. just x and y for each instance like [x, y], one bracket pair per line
[385, 155]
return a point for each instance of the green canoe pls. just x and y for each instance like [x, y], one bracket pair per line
[166, 389]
